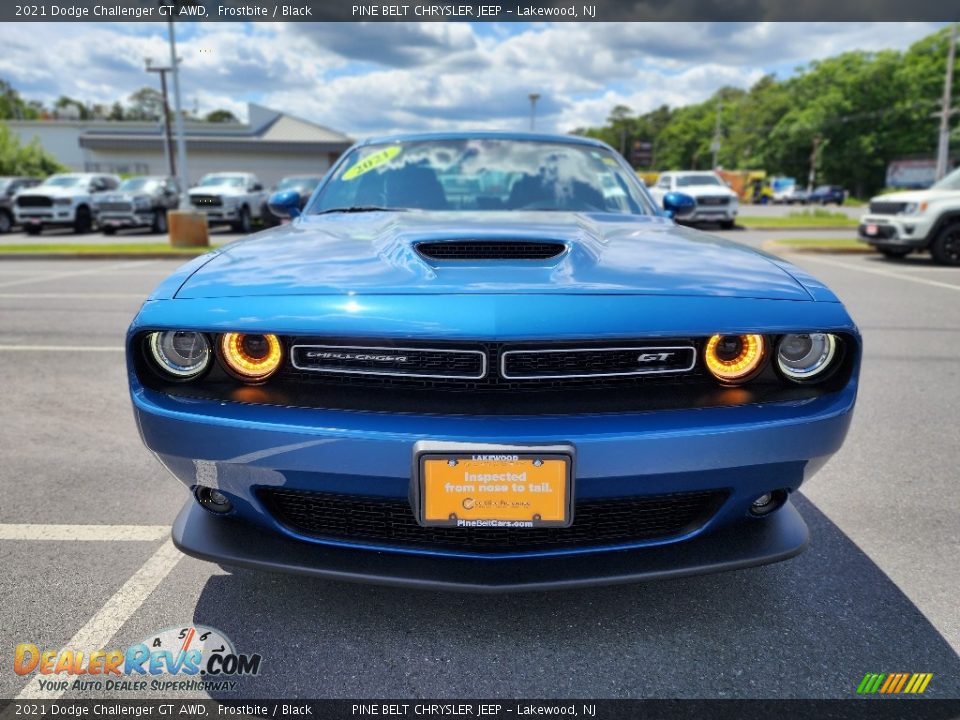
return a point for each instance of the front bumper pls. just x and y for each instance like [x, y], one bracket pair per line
[713, 213]
[894, 231]
[46, 216]
[220, 214]
[138, 218]
[224, 540]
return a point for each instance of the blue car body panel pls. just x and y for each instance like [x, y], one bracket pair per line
[620, 277]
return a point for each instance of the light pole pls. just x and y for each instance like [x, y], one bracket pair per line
[168, 139]
[715, 145]
[178, 119]
[943, 147]
[533, 109]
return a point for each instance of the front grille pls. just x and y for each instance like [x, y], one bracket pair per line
[390, 361]
[490, 250]
[596, 362]
[206, 200]
[116, 207]
[34, 201]
[887, 208]
[389, 521]
[714, 200]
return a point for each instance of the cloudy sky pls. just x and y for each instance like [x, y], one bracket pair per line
[372, 78]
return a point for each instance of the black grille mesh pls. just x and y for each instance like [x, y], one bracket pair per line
[34, 201]
[887, 208]
[490, 250]
[390, 522]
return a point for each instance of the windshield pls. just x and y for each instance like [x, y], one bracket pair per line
[307, 183]
[65, 181]
[950, 182]
[482, 174]
[230, 180]
[135, 184]
[687, 180]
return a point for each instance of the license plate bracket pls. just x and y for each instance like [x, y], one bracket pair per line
[464, 485]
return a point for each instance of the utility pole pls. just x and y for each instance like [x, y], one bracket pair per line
[715, 145]
[943, 148]
[811, 178]
[168, 137]
[178, 118]
[533, 109]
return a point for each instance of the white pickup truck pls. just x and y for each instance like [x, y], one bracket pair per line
[230, 198]
[65, 200]
[903, 222]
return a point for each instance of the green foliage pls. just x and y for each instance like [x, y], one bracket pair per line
[860, 110]
[31, 159]
[221, 116]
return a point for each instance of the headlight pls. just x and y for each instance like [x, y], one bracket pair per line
[63, 201]
[806, 356]
[179, 353]
[734, 358]
[252, 358]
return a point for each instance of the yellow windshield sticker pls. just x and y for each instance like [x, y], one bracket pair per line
[372, 161]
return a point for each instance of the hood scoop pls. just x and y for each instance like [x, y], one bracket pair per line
[490, 250]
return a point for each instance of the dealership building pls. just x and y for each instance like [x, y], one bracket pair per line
[271, 144]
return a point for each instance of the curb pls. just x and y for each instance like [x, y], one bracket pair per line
[798, 228]
[772, 245]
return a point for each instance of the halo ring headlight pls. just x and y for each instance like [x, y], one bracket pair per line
[181, 354]
[251, 357]
[734, 358]
[804, 356]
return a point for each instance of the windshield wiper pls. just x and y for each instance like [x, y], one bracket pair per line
[360, 209]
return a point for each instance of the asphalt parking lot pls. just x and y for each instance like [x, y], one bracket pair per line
[876, 592]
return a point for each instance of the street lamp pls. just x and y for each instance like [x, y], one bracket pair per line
[533, 109]
[168, 139]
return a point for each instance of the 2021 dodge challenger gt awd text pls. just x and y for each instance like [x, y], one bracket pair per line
[490, 362]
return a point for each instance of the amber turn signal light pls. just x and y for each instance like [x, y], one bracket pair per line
[251, 358]
[734, 358]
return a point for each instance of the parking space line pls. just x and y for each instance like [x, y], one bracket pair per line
[114, 614]
[879, 271]
[60, 348]
[101, 533]
[75, 273]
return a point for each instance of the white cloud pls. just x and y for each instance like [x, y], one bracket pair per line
[373, 78]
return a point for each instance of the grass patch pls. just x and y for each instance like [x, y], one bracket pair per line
[158, 248]
[807, 219]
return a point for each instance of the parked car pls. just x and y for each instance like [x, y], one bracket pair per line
[534, 384]
[139, 202]
[230, 198]
[794, 196]
[64, 200]
[715, 202]
[303, 184]
[782, 189]
[9, 187]
[826, 194]
[900, 223]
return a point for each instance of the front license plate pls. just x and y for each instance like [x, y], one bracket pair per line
[494, 488]
[870, 229]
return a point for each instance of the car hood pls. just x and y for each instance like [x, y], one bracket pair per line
[52, 191]
[706, 190]
[909, 196]
[375, 253]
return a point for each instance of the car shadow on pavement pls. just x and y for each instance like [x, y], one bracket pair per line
[808, 627]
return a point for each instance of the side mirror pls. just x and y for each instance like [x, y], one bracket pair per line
[677, 205]
[285, 203]
[256, 187]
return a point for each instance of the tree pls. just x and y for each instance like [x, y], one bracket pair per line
[116, 112]
[30, 159]
[13, 107]
[145, 104]
[221, 116]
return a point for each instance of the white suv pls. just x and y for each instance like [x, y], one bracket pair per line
[65, 200]
[716, 203]
[899, 223]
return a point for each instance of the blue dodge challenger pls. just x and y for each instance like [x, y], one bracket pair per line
[490, 362]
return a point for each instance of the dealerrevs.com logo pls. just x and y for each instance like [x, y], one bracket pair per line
[191, 657]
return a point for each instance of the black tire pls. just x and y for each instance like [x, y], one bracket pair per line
[83, 221]
[894, 253]
[33, 229]
[6, 222]
[243, 225]
[728, 224]
[109, 230]
[945, 247]
[159, 224]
